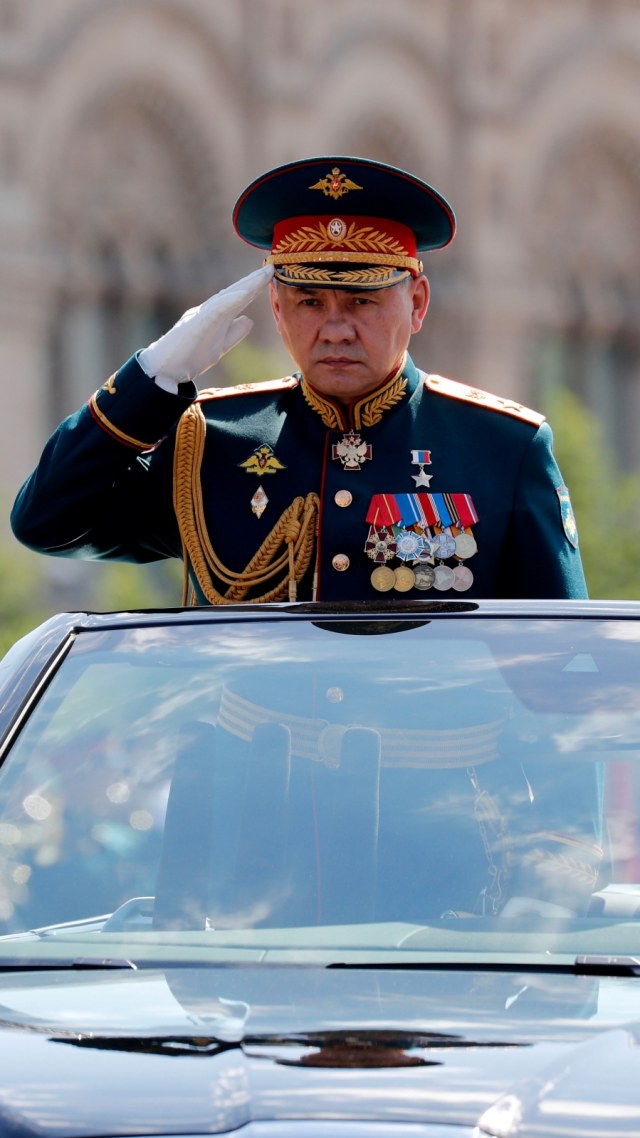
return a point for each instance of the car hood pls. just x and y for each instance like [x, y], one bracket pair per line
[209, 1050]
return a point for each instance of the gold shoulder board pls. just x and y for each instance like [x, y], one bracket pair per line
[467, 394]
[268, 385]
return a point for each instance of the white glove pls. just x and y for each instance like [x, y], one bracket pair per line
[203, 335]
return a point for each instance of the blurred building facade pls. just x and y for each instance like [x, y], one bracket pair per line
[128, 128]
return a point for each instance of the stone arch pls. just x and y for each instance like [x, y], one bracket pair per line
[390, 114]
[132, 198]
[122, 22]
[133, 170]
[586, 276]
[586, 211]
[167, 88]
[570, 96]
[566, 174]
[135, 230]
[416, 52]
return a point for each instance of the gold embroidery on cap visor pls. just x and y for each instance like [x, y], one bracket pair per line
[357, 256]
[310, 276]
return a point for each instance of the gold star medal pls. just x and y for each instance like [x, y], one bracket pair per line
[421, 458]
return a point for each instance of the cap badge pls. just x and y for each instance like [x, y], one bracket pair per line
[335, 185]
[262, 461]
[337, 228]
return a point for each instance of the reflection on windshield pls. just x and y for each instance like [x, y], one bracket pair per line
[280, 777]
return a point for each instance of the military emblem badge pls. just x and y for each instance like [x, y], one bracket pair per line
[335, 184]
[262, 461]
[568, 518]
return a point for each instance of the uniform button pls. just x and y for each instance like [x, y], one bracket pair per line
[343, 498]
[340, 562]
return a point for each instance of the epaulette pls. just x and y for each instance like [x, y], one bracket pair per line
[266, 386]
[456, 390]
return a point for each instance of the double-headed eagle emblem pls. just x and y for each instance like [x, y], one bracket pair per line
[262, 461]
[335, 185]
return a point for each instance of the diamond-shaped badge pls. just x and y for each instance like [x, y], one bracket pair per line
[259, 502]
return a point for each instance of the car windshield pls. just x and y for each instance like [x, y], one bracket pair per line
[328, 790]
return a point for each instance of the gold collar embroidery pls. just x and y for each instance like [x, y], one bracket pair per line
[366, 412]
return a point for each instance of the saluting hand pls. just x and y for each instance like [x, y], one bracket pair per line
[203, 335]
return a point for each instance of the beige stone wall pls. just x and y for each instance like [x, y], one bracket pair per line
[128, 127]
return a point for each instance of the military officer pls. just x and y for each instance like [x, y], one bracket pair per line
[356, 476]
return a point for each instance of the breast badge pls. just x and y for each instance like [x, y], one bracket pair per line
[351, 451]
[421, 458]
[261, 461]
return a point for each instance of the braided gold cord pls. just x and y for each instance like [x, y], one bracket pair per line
[295, 529]
[298, 533]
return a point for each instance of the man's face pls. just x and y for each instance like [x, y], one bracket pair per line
[345, 342]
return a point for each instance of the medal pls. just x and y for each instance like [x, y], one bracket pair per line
[424, 532]
[409, 545]
[351, 451]
[421, 458]
[380, 544]
[424, 577]
[466, 545]
[446, 545]
[383, 579]
[429, 549]
[443, 578]
[405, 579]
[462, 578]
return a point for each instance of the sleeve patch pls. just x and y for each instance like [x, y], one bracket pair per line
[568, 518]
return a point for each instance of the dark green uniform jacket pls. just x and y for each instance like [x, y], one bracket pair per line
[422, 461]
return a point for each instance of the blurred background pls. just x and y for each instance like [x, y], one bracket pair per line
[129, 127]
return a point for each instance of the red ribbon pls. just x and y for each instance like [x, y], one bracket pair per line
[383, 511]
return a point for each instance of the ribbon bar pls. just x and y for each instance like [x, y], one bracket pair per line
[465, 509]
[444, 517]
[383, 511]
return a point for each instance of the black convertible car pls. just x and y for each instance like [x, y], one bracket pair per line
[302, 871]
